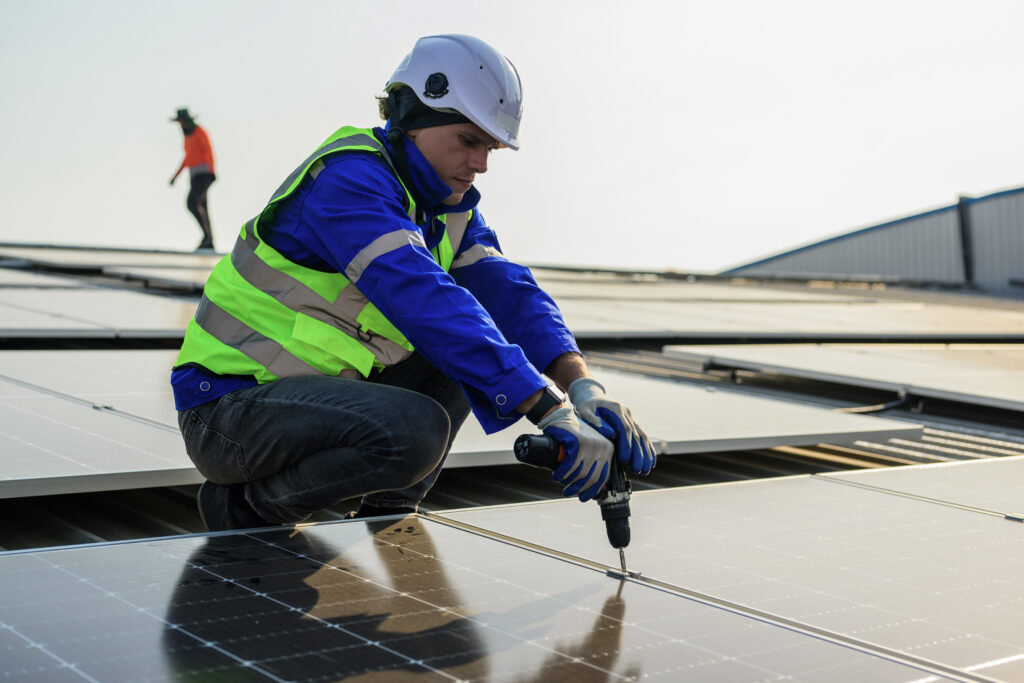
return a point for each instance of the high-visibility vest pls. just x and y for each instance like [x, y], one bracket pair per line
[266, 316]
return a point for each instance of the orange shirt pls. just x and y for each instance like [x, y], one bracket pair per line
[198, 151]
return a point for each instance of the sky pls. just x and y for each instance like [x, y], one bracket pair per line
[675, 135]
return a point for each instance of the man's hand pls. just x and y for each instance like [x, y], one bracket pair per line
[612, 419]
[588, 454]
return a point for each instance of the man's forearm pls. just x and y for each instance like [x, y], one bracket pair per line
[567, 368]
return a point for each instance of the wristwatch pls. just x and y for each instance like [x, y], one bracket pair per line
[551, 398]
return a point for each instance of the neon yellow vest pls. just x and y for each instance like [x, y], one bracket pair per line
[266, 316]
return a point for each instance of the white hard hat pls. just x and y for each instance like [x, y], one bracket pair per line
[464, 74]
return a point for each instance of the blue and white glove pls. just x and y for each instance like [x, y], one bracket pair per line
[588, 455]
[611, 418]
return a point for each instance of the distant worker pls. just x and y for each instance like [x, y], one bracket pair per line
[199, 161]
[368, 308]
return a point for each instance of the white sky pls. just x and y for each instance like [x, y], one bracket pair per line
[686, 135]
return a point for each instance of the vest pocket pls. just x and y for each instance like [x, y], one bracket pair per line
[327, 348]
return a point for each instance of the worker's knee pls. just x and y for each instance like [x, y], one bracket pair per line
[418, 442]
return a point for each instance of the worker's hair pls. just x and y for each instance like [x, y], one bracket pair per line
[404, 109]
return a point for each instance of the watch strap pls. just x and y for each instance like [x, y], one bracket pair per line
[548, 400]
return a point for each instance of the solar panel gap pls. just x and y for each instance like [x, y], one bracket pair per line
[880, 458]
[30, 524]
[844, 460]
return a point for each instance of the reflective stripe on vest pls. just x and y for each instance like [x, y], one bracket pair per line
[309, 321]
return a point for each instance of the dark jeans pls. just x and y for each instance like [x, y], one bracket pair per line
[301, 444]
[197, 204]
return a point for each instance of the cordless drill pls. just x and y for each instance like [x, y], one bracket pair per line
[541, 450]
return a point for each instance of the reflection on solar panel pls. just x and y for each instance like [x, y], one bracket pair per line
[930, 580]
[986, 375]
[405, 600]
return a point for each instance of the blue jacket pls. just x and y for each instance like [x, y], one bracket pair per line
[488, 326]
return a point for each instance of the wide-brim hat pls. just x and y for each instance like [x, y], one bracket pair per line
[183, 115]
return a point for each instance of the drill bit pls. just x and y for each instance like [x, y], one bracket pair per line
[622, 560]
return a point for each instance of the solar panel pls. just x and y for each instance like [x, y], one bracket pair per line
[688, 419]
[892, 320]
[24, 278]
[990, 375]
[995, 485]
[633, 288]
[16, 322]
[55, 445]
[88, 311]
[86, 258]
[403, 600]
[911, 576]
[698, 419]
[132, 382]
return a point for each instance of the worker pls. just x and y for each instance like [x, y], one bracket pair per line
[199, 161]
[368, 309]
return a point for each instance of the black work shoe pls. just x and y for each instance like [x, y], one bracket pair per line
[205, 245]
[223, 507]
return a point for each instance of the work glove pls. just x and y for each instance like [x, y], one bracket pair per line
[612, 419]
[588, 455]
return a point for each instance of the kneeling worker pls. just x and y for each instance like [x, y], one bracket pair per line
[368, 308]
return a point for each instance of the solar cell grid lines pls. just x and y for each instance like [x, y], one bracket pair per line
[391, 600]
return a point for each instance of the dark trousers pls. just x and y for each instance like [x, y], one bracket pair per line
[302, 444]
[197, 204]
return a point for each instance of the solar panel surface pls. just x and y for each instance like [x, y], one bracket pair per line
[995, 485]
[113, 413]
[990, 375]
[405, 600]
[915, 577]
